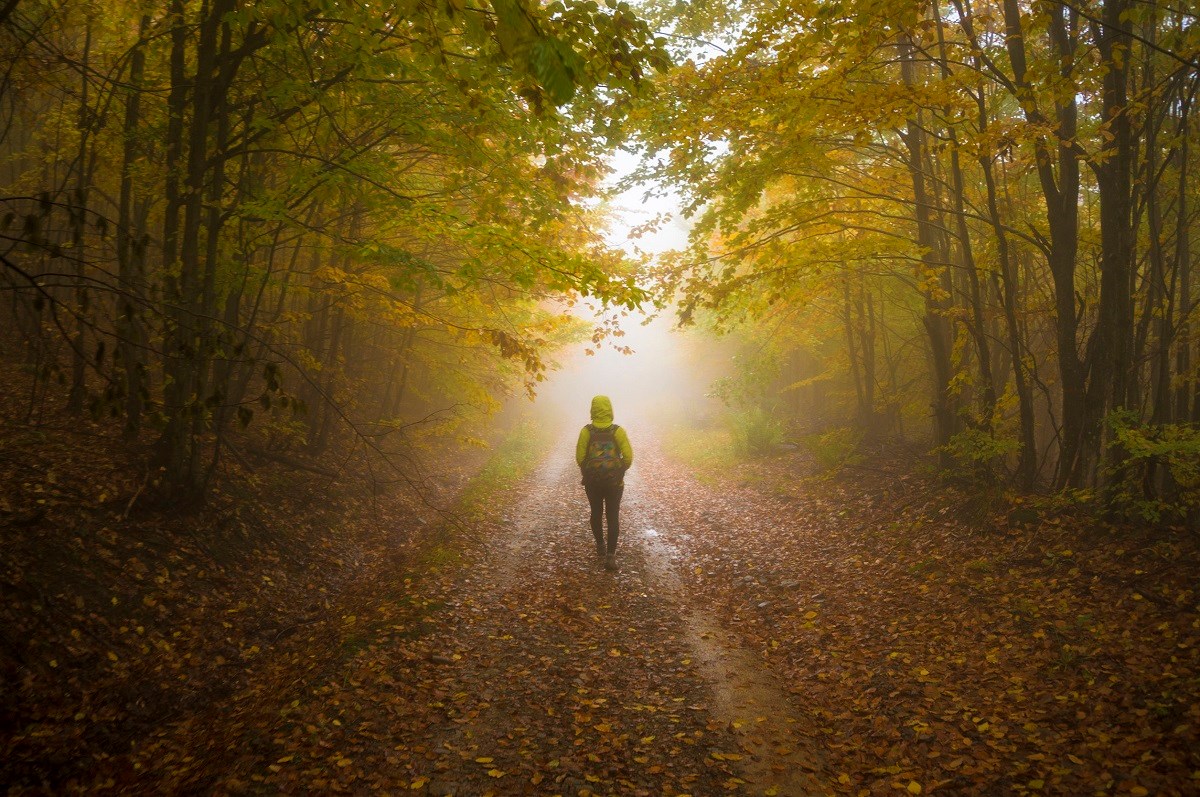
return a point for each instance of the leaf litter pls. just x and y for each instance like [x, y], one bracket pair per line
[945, 652]
[853, 634]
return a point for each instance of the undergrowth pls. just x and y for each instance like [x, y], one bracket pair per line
[835, 448]
[511, 459]
[708, 451]
[756, 433]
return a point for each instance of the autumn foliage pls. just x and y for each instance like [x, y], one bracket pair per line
[277, 277]
[972, 221]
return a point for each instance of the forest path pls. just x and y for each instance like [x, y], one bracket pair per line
[570, 679]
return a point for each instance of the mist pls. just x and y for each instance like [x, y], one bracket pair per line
[662, 379]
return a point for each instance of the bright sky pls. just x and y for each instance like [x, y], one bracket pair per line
[630, 209]
[655, 381]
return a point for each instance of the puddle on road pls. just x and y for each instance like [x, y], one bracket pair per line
[780, 760]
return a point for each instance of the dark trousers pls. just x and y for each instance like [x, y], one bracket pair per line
[605, 499]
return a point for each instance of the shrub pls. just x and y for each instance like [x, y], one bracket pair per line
[1160, 476]
[835, 448]
[756, 433]
[981, 450]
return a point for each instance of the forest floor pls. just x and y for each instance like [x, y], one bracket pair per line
[769, 631]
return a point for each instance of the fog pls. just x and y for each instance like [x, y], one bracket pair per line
[663, 380]
[668, 372]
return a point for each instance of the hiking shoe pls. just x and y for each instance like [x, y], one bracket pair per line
[610, 562]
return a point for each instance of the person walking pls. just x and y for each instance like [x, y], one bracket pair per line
[603, 454]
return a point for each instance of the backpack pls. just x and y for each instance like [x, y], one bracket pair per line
[602, 464]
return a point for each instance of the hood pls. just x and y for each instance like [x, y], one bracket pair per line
[602, 414]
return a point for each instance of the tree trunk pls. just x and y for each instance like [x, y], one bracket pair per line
[852, 347]
[131, 252]
[319, 432]
[1006, 274]
[210, 384]
[174, 344]
[78, 216]
[1109, 352]
[186, 368]
[1183, 266]
[1061, 193]
[978, 326]
[935, 290]
[866, 317]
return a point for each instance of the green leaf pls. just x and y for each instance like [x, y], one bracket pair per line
[555, 65]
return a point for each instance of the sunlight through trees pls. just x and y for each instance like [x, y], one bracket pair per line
[967, 220]
[319, 221]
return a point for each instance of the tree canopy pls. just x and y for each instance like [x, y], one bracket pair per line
[326, 218]
[965, 222]
[967, 218]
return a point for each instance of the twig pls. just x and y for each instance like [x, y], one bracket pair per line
[129, 506]
[292, 463]
[291, 629]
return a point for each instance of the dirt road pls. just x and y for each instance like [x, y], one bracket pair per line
[564, 678]
[785, 636]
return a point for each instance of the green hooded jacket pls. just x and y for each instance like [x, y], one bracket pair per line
[602, 417]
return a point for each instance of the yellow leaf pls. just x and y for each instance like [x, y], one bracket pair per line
[810, 615]
[614, 653]
[497, 773]
[345, 762]
[537, 778]
[591, 778]
[418, 783]
[1037, 784]
[914, 787]
[603, 727]
[484, 760]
